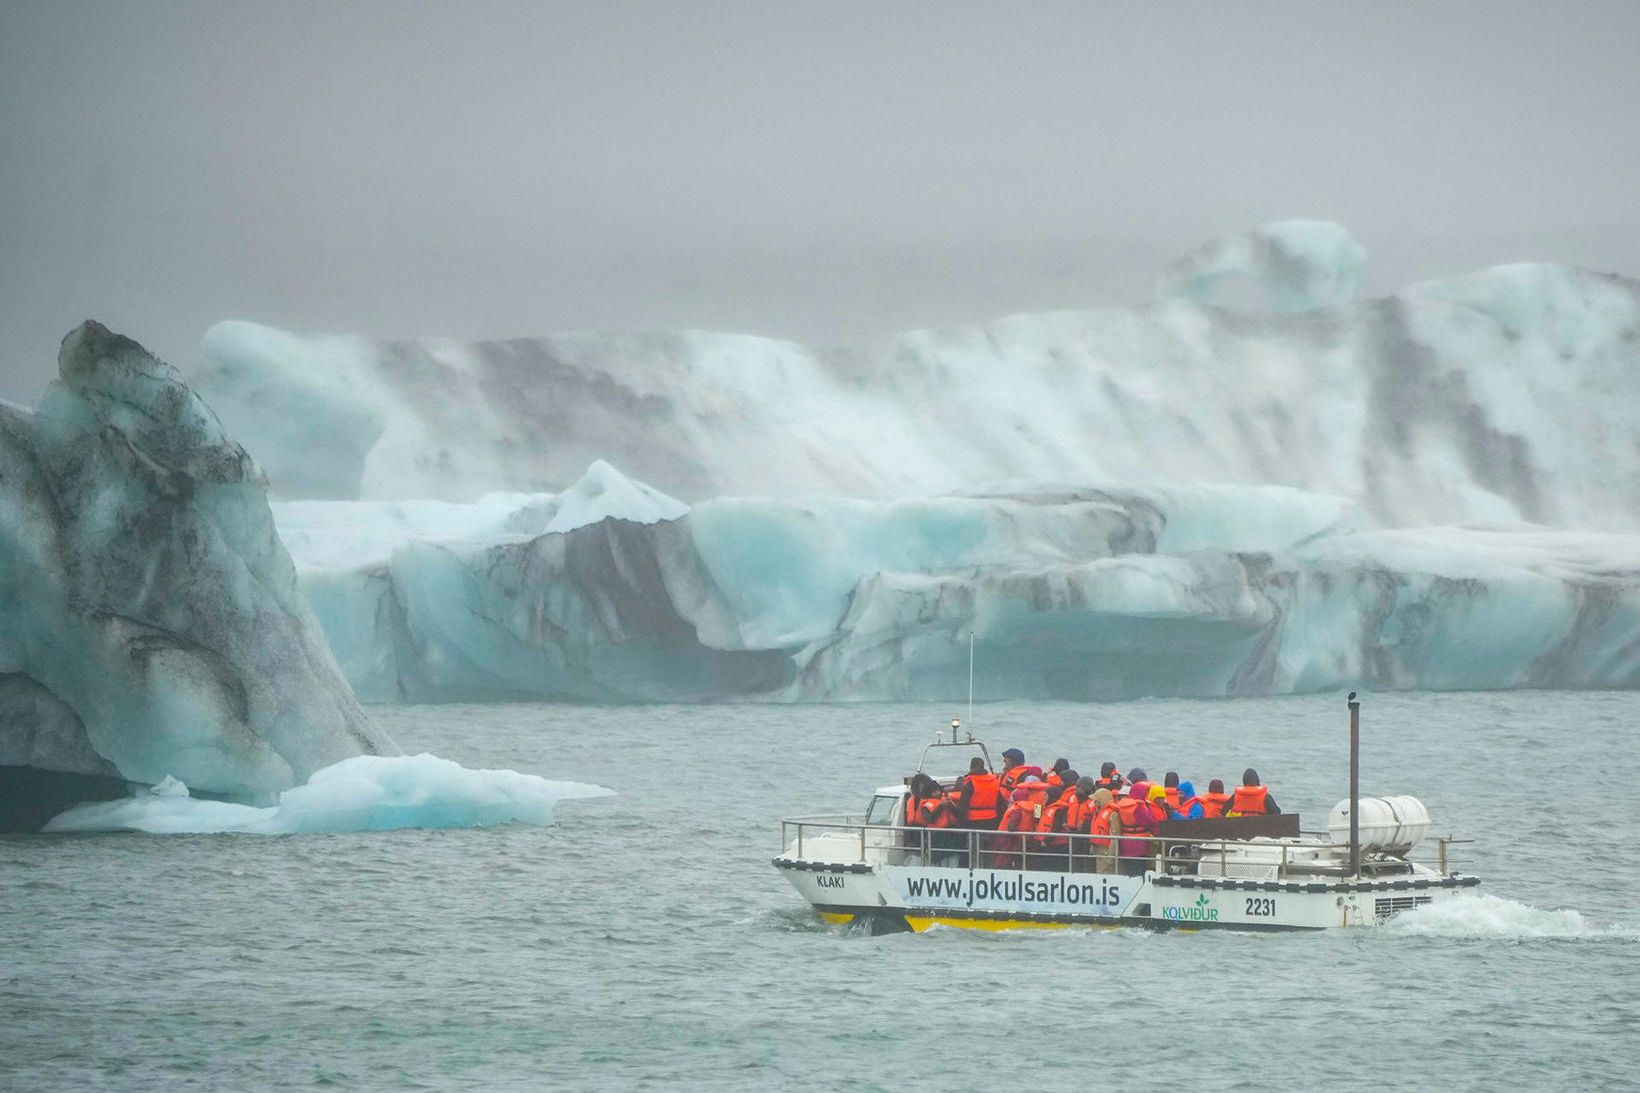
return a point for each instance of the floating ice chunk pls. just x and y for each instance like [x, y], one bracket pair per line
[367, 793]
[1294, 265]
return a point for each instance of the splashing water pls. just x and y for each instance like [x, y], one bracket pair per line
[1484, 916]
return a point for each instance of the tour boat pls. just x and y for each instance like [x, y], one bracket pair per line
[1236, 873]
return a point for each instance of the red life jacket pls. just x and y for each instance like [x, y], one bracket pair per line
[1214, 805]
[1249, 801]
[985, 803]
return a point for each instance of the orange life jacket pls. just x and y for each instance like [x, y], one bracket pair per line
[1021, 816]
[1184, 806]
[1055, 813]
[1077, 811]
[985, 803]
[1214, 805]
[1062, 816]
[1249, 801]
[913, 810]
[938, 812]
[1053, 778]
[1128, 809]
[1011, 776]
[1100, 825]
[1038, 795]
[1172, 794]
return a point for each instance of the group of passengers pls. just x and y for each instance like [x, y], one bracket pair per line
[1033, 813]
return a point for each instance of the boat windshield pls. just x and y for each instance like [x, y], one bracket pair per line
[883, 810]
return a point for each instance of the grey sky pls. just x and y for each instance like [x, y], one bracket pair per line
[818, 171]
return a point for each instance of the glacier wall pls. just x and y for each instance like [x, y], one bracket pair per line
[1254, 483]
[150, 620]
[1502, 396]
[1071, 594]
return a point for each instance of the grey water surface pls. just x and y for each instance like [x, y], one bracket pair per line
[644, 942]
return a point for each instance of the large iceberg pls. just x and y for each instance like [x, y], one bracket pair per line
[1503, 396]
[150, 621]
[1287, 489]
[1069, 593]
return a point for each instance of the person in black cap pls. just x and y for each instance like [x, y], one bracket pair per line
[1014, 769]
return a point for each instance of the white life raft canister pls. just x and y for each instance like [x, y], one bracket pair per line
[1391, 824]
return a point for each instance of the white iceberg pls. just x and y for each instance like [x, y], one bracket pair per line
[1071, 593]
[366, 793]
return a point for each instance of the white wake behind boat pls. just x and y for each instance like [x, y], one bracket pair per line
[1242, 873]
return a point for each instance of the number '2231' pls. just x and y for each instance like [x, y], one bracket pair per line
[1261, 905]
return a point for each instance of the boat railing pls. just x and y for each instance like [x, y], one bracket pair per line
[849, 840]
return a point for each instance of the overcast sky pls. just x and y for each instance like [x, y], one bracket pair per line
[820, 171]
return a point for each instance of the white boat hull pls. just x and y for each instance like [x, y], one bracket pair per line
[920, 897]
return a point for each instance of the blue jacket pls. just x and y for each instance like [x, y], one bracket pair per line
[1194, 812]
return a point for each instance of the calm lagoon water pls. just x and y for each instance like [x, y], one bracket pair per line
[644, 942]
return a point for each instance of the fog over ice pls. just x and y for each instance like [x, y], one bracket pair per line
[818, 173]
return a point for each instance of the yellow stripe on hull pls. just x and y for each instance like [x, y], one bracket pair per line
[920, 924]
[835, 918]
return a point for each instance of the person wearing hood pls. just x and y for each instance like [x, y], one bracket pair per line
[1139, 820]
[1253, 799]
[1190, 806]
[1105, 827]
[1109, 778]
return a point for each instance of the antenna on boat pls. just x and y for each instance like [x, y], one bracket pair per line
[1355, 785]
[970, 684]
